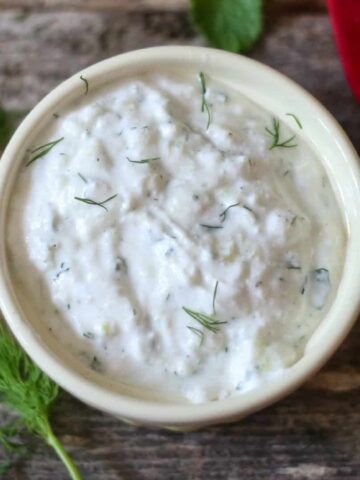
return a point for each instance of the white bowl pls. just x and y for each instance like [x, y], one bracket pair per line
[277, 94]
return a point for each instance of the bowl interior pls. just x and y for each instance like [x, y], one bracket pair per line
[273, 92]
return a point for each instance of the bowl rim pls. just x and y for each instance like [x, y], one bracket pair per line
[132, 408]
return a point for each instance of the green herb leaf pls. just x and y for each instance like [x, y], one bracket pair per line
[89, 201]
[14, 449]
[86, 84]
[82, 178]
[197, 332]
[224, 213]
[28, 391]
[275, 134]
[43, 150]
[144, 160]
[296, 119]
[89, 335]
[214, 296]
[233, 25]
[207, 321]
[211, 227]
[204, 102]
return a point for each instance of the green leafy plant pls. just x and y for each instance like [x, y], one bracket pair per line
[25, 389]
[8, 122]
[233, 25]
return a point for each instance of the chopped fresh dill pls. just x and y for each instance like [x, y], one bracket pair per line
[29, 392]
[89, 335]
[96, 364]
[209, 322]
[86, 84]
[43, 150]
[290, 266]
[296, 119]
[211, 227]
[224, 213]
[275, 134]
[89, 201]
[303, 288]
[214, 296]
[293, 220]
[204, 103]
[248, 209]
[197, 332]
[144, 160]
[62, 270]
[82, 178]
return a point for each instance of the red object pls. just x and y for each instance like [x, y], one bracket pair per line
[345, 15]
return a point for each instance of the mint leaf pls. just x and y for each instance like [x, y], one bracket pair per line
[233, 25]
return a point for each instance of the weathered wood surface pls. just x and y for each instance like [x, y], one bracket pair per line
[313, 434]
[142, 5]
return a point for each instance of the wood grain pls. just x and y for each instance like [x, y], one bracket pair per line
[313, 434]
[143, 5]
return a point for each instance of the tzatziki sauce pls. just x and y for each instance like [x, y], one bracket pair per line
[176, 236]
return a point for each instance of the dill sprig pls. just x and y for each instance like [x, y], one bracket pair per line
[204, 103]
[210, 227]
[197, 332]
[82, 178]
[13, 448]
[224, 213]
[209, 322]
[32, 394]
[296, 119]
[86, 82]
[144, 160]
[89, 201]
[214, 296]
[275, 134]
[89, 335]
[43, 150]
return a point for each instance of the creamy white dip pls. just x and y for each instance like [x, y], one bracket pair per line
[162, 201]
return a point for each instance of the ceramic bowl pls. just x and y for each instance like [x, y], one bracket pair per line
[277, 94]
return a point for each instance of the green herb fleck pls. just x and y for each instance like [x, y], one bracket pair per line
[89, 335]
[224, 213]
[96, 365]
[204, 102]
[275, 134]
[144, 160]
[86, 84]
[296, 119]
[82, 178]
[89, 201]
[62, 270]
[43, 150]
[291, 266]
[233, 25]
[214, 296]
[197, 332]
[209, 322]
[211, 227]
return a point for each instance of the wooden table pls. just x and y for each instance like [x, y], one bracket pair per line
[314, 433]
